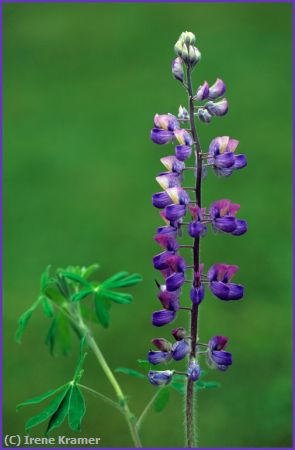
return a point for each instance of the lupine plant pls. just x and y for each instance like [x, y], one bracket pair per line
[75, 304]
[175, 204]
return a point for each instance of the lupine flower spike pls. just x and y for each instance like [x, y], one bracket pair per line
[183, 213]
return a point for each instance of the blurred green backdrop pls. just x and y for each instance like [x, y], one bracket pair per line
[81, 85]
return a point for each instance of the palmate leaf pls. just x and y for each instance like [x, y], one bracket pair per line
[117, 297]
[75, 277]
[60, 414]
[122, 279]
[86, 272]
[48, 411]
[47, 306]
[40, 398]
[81, 294]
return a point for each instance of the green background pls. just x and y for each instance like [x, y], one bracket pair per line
[81, 85]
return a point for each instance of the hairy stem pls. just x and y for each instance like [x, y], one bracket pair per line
[130, 418]
[190, 426]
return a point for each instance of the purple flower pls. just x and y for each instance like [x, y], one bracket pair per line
[177, 69]
[161, 136]
[161, 199]
[175, 281]
[180, 349]
[204, 115]
[175, 212]
[167, 230]
[219, 276]
[196, 228]
[160, 377]
[160, 318]
[178, 195]
[217, 109]
[197, 294]
[217, 357]
[167, 241]
[194, 370]
[223, 215]
[222, 157]
[160, 260]
[158, 357]
[168, 180]
[183, 152]
[166, 122]
[183, 137]
[169, 300]
[179, 333]
[202, 92]
[172, 164]
[217, 89]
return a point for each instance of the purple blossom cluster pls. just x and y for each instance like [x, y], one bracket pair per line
[182, 214]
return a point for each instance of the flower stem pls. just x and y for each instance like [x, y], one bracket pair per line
[190, 426]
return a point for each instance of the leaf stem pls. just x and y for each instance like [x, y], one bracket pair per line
[101, 396]
[146, 409]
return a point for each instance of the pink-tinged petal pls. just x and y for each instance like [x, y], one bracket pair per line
[217, 342]
[231, 271]
[163, 216]
[202, 92]
[167, 241]
[176, 263]
[166, 122]
[232, 145]
[233, 208]
[217, 89]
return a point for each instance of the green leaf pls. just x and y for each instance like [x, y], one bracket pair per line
[74, 277]
[88, 271]
[62, 285]
[40, 398]
[116, 297]
[122, 279]
[48, 309]
[144, 363]
[88, 313]
[77, 409]
[101, 310]
[48, 411]
[24, 319]
[82, 294]
[162, 399]
[131, 372]
[59, 337]
[60, 414]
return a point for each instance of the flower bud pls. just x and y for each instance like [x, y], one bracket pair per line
[202, 92]
[194, 55]
[197, 294]
[162, 344]
[188, 37]
[178, 195]
[183, 113]
[160, 318]
[179, 333]
[157, 357]
[161, 199]
[183, 137]
[178, 47]
[175, 281]
[172, 164]
[184, 54]
[204, 115]
[194, 370]
[160, 377]
[177, 69]
[217, 109]
[217, 89]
